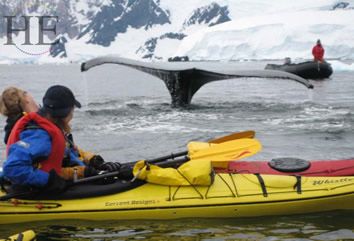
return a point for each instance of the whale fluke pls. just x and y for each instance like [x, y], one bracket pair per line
[183, 83]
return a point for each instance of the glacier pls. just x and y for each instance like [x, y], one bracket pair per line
[274, 36]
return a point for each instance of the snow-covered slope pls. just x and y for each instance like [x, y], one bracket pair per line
[274, 36]
[201, 29]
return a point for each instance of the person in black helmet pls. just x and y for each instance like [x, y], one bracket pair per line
[39, 141]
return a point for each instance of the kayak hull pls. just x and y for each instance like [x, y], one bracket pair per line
[230, 196]
[306, 70]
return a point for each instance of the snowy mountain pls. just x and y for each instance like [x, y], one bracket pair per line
[120, 15]
[159, 29]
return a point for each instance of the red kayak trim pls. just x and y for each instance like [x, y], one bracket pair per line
[313, 168]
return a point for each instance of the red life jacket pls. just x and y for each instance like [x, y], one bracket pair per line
[56, 155]
[318, 52]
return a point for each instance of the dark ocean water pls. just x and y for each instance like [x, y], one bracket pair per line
[126, 116]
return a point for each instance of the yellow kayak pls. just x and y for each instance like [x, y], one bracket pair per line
[24, 236]
[230, 196]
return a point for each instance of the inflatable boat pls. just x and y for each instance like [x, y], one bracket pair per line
[306, 70]
[229, 196]
[292, 166]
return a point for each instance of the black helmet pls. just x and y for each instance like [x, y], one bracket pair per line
[58, 101]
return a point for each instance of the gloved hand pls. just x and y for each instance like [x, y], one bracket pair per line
[56, 183]
[126, 172]
[96, 161]
[90, 171]
[110, 166]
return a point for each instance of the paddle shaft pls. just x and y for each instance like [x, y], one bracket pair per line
[130, 170]
[98, 177]
[163, 158]
[174, 162]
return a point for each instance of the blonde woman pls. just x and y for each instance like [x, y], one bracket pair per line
[14, 103]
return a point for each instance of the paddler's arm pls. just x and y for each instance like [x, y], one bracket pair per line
[18, 167]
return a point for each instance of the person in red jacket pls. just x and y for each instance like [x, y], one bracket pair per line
[318, 52]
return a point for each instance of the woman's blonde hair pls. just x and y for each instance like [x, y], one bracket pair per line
[60, 122]
[10, 102]
[64, 126]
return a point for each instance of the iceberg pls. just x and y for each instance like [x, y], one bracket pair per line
[341, 67]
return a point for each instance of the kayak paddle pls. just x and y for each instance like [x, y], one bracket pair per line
[219, 154]
[222, 153]
[233, 136]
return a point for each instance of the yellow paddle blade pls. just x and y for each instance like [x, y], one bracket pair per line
[195, 146]
[222, 153]
[234, 136]
[27, 235]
